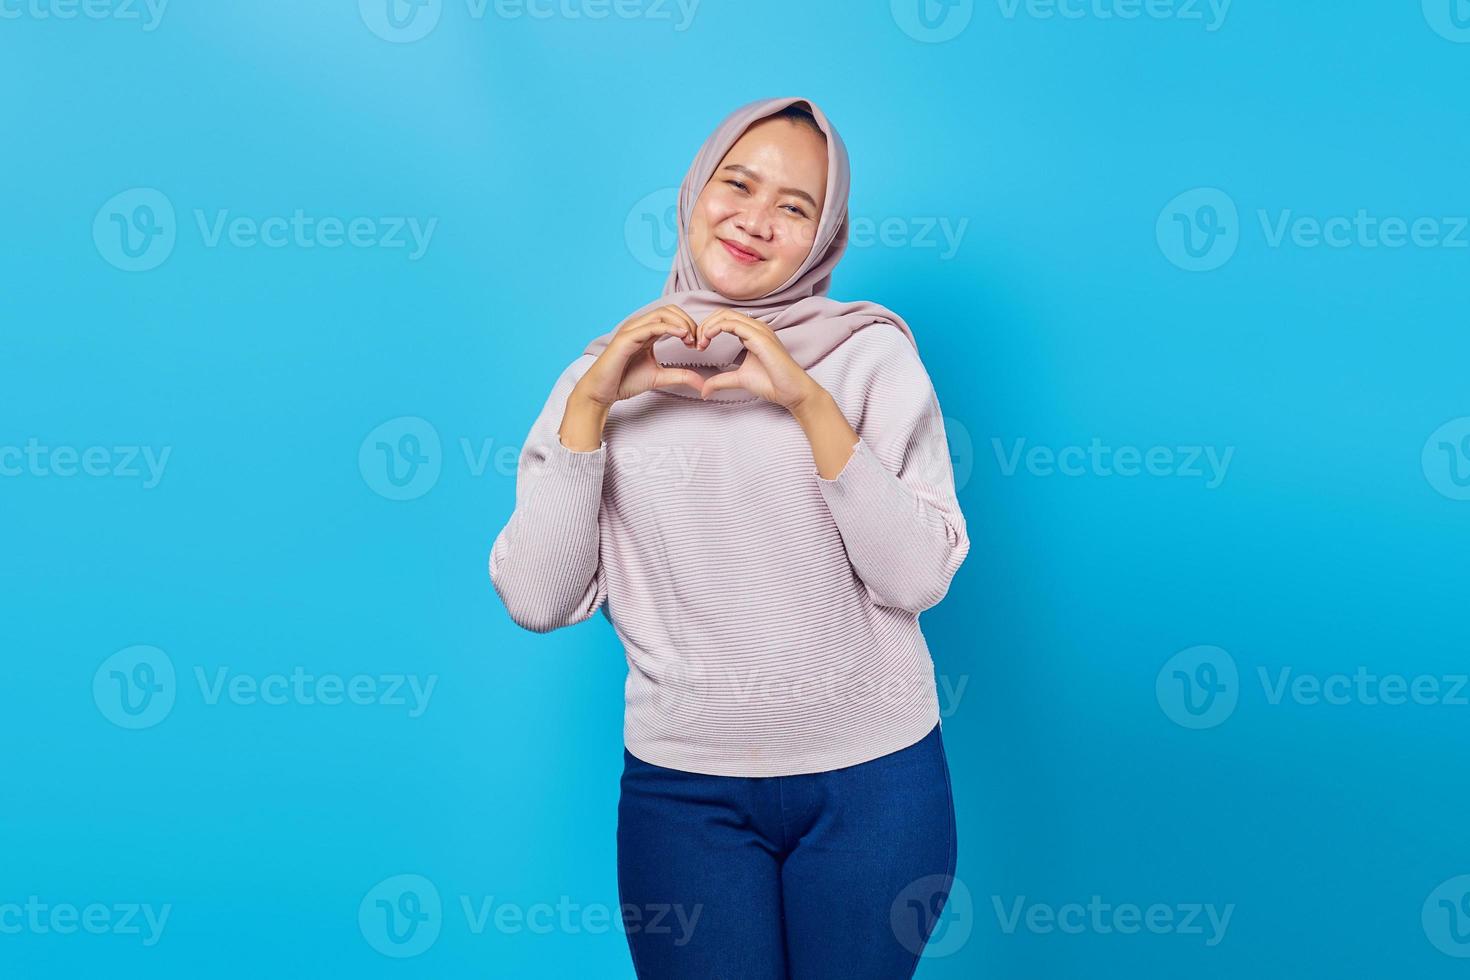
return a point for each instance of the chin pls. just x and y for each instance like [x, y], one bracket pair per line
[731, 284]
[737, 294]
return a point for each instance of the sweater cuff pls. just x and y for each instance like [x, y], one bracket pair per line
[601, 447]
[581, 466]
[862, 478]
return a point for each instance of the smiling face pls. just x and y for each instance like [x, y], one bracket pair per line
[755, 221]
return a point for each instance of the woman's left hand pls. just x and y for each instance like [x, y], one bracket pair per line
[768, 371]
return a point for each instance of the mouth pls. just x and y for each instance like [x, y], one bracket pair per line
[741, 254]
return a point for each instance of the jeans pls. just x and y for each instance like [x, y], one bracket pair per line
[838, 874]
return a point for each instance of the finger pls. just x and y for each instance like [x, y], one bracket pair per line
[734, 316]
[752, 337]
[713, 326]
[683, 317]
[671, 313]
[729, 319]
[721, 381]
[720, 315]
[699, 330]
[667, 377]
[642, 335]
[662, 314]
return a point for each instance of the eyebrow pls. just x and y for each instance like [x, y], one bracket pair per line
[794, 191]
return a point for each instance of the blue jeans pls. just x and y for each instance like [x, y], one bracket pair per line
[838, 874]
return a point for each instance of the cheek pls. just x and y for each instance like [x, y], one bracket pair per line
[706, 216]
[794, 248]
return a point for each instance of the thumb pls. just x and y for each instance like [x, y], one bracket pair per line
[666, 377]
[726, 379]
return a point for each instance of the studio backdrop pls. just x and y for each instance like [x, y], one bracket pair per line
[285, 284]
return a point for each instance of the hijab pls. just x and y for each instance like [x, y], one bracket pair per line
[808, 322]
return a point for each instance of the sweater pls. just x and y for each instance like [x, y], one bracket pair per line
[769, 616]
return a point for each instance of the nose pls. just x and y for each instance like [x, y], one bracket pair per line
[757, 222]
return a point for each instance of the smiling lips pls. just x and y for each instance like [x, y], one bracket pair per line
[742, 255]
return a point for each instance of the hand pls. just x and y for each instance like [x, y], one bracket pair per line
[627, 366]
[768, 371]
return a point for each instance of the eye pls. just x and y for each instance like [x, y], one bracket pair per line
[740, 184]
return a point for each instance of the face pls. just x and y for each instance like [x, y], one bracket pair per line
[755, 221]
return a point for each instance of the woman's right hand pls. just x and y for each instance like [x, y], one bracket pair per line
[625, 368]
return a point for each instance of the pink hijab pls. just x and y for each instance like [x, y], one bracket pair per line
[807, 321]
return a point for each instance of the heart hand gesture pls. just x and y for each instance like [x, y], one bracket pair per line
[768, 371]
[628, 368]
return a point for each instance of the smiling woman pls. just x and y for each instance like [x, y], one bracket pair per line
[755, 222]
[784, 774]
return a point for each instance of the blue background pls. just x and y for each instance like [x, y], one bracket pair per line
[1331, 543]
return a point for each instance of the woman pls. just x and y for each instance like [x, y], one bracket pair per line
[752, 481]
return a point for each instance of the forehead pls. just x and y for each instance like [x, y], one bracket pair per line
[779, 149]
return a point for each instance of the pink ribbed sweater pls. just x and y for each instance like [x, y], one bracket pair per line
[769, 616]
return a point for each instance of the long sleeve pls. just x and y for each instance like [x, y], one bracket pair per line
[894, 501]
[545, 562]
